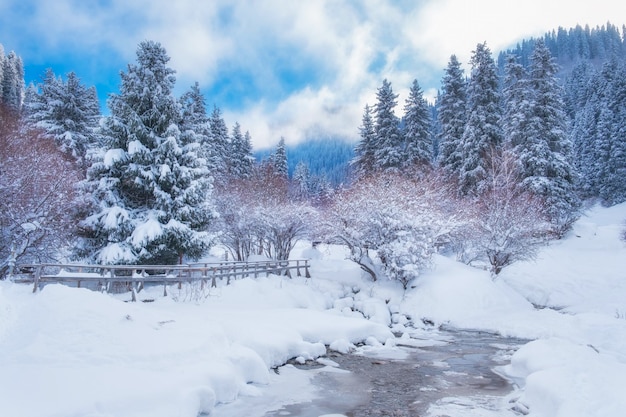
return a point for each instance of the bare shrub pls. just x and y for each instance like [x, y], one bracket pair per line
[37, 197]
[258, 218]
[508, 222]
[392, 223]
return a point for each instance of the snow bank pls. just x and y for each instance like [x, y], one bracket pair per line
[84, 353]
[73, 352]
[572, 299]
[565, 379]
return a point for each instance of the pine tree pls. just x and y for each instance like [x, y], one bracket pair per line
[152, 190]
[12, 82]
[220, 141]
[363, 161]
[302, 181]
[517, 100]
[614, 188]
[609, 143]
[241, 158]
[388, 146]
[416, 133]
[279, 159]
[483, 132]
[546, 152]
[584, 88]
[195, 123]
[451, 114]
[68, 112]
[246, 151]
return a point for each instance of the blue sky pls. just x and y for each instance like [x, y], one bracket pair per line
[292, 68]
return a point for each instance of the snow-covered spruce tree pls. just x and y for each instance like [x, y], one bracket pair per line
[195, 122]
[482, 129]
[613, 188]
[363, 162]
[577, 87]
[388, 152]
[597, 125]
[302, 181]
[545, 152]
[278, 159]
[66, 111]
[597, 134]
[152, 192]
[517, 100]
[416, 133]
[451, 115]
[220, 143]
[12, 81]
[586, 107]
[241, 158]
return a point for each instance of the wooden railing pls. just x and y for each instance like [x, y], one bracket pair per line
[134, 277]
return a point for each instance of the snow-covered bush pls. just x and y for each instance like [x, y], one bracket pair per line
[506, 222]
[37, 197]
[257, 217]
[392, 223]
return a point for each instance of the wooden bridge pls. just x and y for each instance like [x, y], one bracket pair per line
[135, 277]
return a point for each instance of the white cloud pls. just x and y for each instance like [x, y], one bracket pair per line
[348, 46]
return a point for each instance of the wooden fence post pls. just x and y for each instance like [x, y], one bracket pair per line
[37, 276]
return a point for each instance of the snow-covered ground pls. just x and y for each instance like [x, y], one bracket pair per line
[74, 352]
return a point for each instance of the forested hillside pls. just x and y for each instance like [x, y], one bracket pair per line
[571, 46]
[592, 70]
[326, 157]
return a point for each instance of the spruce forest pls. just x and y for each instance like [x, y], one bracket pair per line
[505, 160]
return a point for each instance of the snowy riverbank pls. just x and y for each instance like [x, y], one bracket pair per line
[73, 352]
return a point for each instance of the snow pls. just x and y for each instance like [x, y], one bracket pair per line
[75, 352]
[147, 231]
[115, 216]
[136, 146]
[112, 156]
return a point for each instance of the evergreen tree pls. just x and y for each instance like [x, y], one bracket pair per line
[220, 141]
[545, 153]
[604, 157]
[68, 112]
[152, 190]
[195, 123]
[482, 131]
[451, 115]
[241, 159]
[577, 88]
[302, 181]
[388, 147]
[613, 189]
[363, 161]
[517, 100]
[246, 151]
[416, 133]
[278, 159]
[12, 81]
